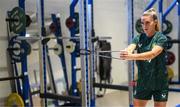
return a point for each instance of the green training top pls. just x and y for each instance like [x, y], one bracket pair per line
[152, 74]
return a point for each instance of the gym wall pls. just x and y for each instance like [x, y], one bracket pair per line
[110, 19]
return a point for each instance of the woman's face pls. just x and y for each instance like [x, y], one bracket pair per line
[148, 25]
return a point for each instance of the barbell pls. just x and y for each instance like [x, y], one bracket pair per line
[53, 37]
[19, 49]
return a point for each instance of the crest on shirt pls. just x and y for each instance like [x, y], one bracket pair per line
[139, 45]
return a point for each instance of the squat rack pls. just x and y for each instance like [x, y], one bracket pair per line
[84, 35]
[130, 37]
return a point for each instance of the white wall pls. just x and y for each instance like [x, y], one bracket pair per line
[110, 19]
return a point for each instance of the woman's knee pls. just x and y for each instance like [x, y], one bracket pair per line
[159, 104]
[140, 103]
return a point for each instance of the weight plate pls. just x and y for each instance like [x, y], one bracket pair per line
[19, 25]
[18, 49]
[170, 58]
[138, 26]
[167, 27]
[170, 72]
[14, 100]
[70, 22]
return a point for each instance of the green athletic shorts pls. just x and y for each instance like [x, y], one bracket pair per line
[158, 95]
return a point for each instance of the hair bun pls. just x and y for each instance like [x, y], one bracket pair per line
[152, 10]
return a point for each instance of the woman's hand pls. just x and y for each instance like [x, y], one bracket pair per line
[123, 54]
[126, 54]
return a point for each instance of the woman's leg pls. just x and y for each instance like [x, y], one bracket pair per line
[159, 104]
[140, 103]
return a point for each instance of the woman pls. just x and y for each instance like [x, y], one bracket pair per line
[150, 58]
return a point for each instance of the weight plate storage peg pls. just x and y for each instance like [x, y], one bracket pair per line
[28, 20]
[17, 20]
[70, 46]
[58, 49]
[14, 100]
[170, 58]
[18, 49]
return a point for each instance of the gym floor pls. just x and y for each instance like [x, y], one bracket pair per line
[121, 99]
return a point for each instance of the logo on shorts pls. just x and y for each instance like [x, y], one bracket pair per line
[135, 92]
[149, 61]
[139, 45]
[163, 95]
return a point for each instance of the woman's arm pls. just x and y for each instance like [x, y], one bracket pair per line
[131, 48]
[142, 56]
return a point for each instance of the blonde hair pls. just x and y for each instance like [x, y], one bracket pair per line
[152, 12]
